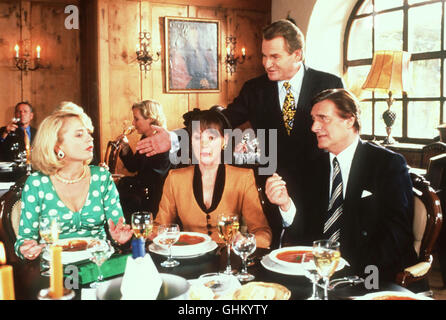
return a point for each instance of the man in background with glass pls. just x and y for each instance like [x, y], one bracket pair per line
[17, 136]
[356, 193]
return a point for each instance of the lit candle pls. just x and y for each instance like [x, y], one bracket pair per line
[16, 48]
[6, 277]
[38, 52]
[243, 51]
[56, 279]
[228, 51]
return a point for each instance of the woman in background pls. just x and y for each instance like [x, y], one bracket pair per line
[143, 191]
[194, 196]
[82, 197]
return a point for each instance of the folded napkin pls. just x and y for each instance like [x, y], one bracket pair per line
[88, 271]
[141, 280]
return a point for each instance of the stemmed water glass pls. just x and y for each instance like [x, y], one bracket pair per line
[168, 234]
[100, 252]
[49, 229]
[326, 258]
[227, 225]
[243, 245]
[311, 273]
[142, 224]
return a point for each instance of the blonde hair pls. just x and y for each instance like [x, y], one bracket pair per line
[151, 109]
[43, 155]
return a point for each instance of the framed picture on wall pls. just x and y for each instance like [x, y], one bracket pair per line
[192, 55]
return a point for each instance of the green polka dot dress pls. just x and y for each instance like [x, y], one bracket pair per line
[40, 198]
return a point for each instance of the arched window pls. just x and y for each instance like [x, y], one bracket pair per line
[416, 26]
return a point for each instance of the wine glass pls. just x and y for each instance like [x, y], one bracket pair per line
[142, 224]
[49, 229]
[243, 245]
[15, 120]
[227, 225]
[168, 234]
[100, 252]
[326, 258]
[311, 273]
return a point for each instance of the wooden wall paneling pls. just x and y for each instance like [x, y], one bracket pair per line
[174, 105]
[89, 66]
[10, 92]
[25, 43]
[256, 5]
[60, 79]
[104, 76]
[246, 26]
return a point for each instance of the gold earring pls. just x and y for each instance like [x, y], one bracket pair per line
[223, 147]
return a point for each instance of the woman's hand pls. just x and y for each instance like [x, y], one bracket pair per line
[30, 249]
[120, 232]
[277, 193]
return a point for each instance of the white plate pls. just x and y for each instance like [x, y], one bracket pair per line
[295, 270]
[273, 255]
[210, 246]
[73, 256]
[192, 249]
[377, 295]
[4, 165]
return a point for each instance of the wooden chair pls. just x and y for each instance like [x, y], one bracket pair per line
[426, 228]
[10, 211]
[431, 150]
[111, 156]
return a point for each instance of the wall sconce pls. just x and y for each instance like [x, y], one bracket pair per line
[23, 62]
[231, 60]
[144, 53]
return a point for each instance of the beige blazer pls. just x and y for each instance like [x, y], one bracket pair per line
[240, 196]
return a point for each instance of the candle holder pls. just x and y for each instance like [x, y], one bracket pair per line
[144, 53]
[24, 62]
[45, 294]
[231, 60]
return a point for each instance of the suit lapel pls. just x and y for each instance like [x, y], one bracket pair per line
[355, 185]
[304, 99]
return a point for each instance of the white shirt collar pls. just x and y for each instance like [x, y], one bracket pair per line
[295, 81]
[345, 159]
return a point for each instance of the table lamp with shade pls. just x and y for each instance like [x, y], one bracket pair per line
[389, 73]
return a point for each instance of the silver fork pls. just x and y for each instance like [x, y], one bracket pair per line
[346, 280]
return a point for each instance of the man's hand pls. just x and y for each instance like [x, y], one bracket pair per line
[10, 127]
[277, 193]
[158, 143]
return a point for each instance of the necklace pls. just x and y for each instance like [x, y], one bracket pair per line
[66, 181]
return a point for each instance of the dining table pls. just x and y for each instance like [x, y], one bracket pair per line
[28, 280]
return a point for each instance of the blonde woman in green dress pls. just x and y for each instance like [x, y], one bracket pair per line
[83, 197]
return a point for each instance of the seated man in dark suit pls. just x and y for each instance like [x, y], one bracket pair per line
[356, 193]
[17, 134]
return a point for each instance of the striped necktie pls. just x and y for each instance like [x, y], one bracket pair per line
[332, 226]
[289, 108]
